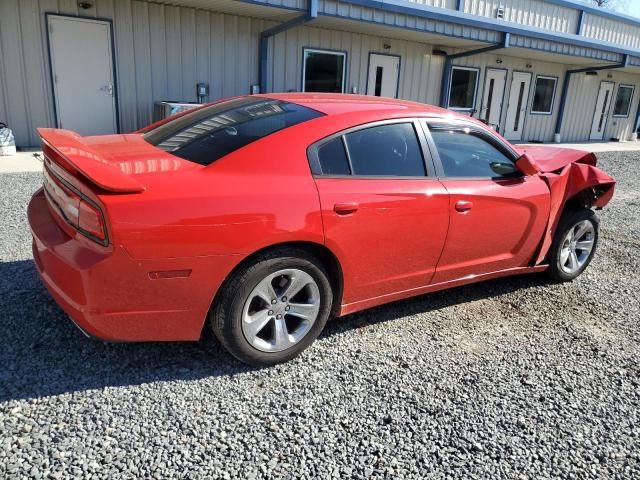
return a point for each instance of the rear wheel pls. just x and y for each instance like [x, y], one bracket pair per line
[574, 244]
[273, 308]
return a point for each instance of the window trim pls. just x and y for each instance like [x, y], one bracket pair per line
[339, 53]
[553, 97]
[633, 92]
[429, 163]
[461, 126]
[475, 92]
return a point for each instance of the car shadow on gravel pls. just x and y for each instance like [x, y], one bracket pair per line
[42, 353]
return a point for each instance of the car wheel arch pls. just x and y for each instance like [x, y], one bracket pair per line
[321, 252]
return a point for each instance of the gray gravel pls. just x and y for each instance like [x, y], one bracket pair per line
[515, 378]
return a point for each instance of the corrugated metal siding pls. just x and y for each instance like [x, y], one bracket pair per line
[437, 3]
[537, 128]
[611, 30]
[420, 72]
[161, 53]
[579, 114]
[357, 12]
[535, 13]
[564, 49]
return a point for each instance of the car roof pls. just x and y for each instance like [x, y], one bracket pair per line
[337, 103]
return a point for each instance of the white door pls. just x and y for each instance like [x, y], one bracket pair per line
[383, 75]
[493, 92]
[82, 69]
[517, 106]
[603, 104]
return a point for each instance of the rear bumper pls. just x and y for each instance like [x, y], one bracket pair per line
[111, 296]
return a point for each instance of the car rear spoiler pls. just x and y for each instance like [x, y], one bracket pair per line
[67, 149]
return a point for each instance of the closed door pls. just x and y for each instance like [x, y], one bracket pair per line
[494, 84]
[383, 216]
[83, 79]
[496, 219]
[383, 75]
[517, 107]
[603, 104]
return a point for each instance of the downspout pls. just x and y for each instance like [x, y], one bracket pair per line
[565, 90]
[448, 65]
[270, 32]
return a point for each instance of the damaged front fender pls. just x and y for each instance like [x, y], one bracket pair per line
[582, 183]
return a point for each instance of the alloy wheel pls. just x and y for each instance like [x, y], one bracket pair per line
[577, 246]
[280, 310]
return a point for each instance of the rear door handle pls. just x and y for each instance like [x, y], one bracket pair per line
[463, 205]
[345, 208]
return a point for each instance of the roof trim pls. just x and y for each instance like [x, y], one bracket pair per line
[456, 17]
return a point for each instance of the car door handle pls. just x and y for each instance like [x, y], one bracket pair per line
[345, 208]
[463, 206]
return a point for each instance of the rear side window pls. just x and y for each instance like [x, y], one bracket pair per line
[207, 134]
[386, 150]
[333, 159]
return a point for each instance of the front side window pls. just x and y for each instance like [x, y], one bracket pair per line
[323, 71]
[386, 150]
[623, 101]
[207, 134]
[543, 95]
[464, 86]
[464, 153]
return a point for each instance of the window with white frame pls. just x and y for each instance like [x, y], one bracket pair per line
[623, 101]
[543, 95]
[323, 71]
[464, 87]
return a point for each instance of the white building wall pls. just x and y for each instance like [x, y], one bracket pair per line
[535, 13]
[162, 51]
[583, 90]
[611, 30]
[437, 3]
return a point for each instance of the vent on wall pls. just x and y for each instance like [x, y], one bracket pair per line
[500, 13]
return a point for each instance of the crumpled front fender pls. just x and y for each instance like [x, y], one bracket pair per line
[595, 187]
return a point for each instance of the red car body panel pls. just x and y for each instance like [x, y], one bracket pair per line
[176, 229]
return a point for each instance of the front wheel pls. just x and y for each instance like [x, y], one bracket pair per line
[574, 245]
[273, 308]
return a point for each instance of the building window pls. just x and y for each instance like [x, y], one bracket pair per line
[323, 71]
[623, 101]
[464, 86]
[543, 95]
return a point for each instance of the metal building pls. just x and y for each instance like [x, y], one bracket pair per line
[537, 70]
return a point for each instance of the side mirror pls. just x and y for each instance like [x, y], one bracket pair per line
[503, 168]
[526, 165]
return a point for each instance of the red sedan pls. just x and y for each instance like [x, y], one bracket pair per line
[257, 217]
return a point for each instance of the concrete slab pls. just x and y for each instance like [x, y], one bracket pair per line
[21, 162]
[599, 147]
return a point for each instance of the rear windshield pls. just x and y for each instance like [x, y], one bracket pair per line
[207, 134]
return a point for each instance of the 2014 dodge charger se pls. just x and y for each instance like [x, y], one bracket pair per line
[257, 217]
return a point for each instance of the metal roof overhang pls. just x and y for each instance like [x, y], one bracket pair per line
[407, 20]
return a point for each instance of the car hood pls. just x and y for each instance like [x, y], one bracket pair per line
[552, 159]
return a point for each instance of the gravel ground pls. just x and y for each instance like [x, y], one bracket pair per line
[515, 378]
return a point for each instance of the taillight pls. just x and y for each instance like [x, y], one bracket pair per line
[77, 210]
[90, 221]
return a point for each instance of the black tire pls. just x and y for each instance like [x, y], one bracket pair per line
[226, 315]
[568, 221]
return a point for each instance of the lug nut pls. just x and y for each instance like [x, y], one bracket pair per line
[270, 312]
[279, 316]
[287, 308]
[284, 299]
[273, 302]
